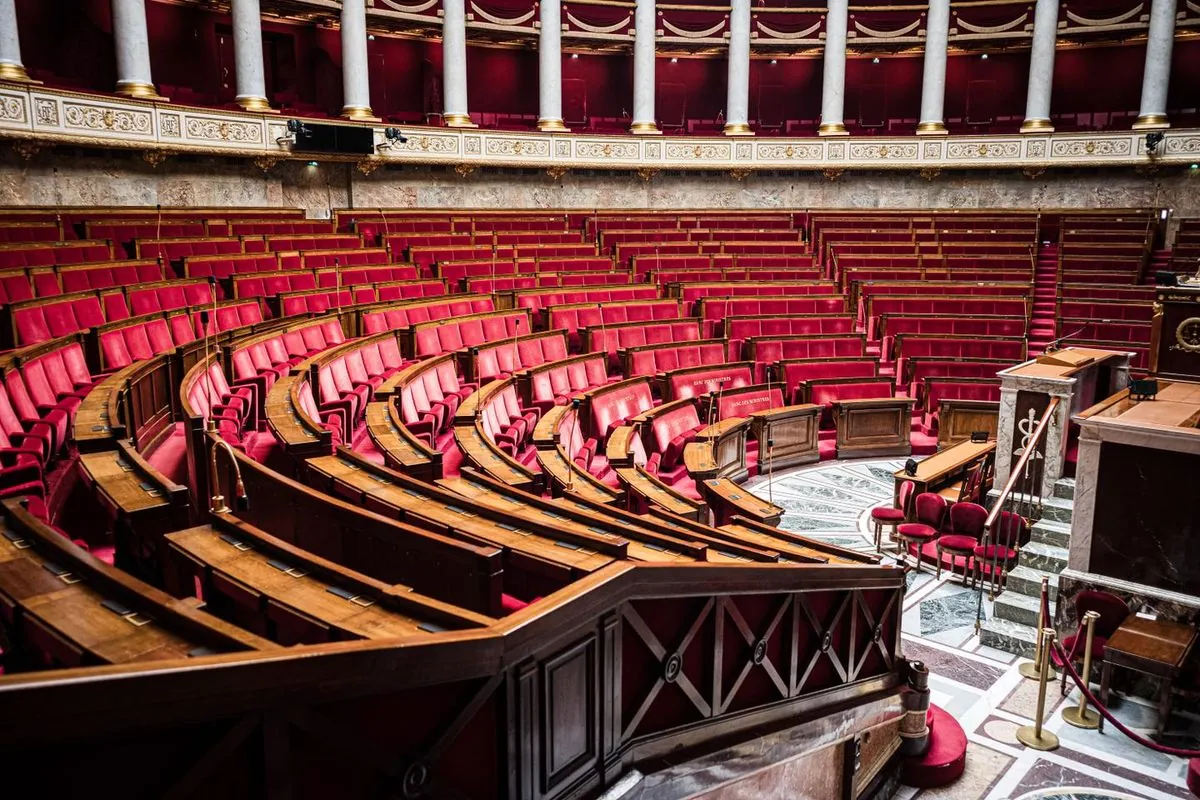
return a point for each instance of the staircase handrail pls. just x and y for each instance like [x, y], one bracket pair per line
[1022, 465]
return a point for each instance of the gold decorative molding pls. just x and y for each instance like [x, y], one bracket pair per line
[556, 173]
[646, 173]
[552, 126]
[26, 149]
[257, 104]
[737, 129]
[832, 174]
[1151, 122]
[156, 157]
[15, 73]
[1037, 126]
[832, 129]
[932, 129]
[138, 90]
[359, 113]
[267, 163]
[739, 174]
[464, 170]
[644, 129]
[367, 166]
[929, 173]
[458, 121]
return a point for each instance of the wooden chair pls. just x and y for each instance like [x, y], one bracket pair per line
[892, 517]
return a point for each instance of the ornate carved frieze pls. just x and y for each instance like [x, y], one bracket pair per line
[52, 116]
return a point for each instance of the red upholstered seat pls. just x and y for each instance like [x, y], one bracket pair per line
[915, 530]
[930, 510]
[957, 541]
[887, 514]
[1193, 776]
[945, 759]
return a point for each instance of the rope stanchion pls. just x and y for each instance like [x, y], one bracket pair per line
[1108, 715]
[1033, 736]
[1081, 716]
[1033, 669]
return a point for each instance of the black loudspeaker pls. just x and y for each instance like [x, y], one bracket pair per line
[1165, 277]
[979, 437]
[314, 137]
[910, 467]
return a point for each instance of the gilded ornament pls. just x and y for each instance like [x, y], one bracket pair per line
[929, 173]
[556, 173]
[26, 150]
[267, 163]
[156, 157]
[739, 174]
[368, 165]
[832, 174]
[109, 118]
[646, 173]
[1033, 172]
[883, 151]
[464, 170]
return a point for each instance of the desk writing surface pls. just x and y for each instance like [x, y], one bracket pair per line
[487, 457]
[76, 614]
[1162, 643]
[719, 429]
[93, 418]
[938, 464]
[786, 547]
[643, 485]
[501, 535]
[282, 416]
[387, 436]
[746, 502]
[1163, 412]
[118, 479]
[306, 594]
[568, 474]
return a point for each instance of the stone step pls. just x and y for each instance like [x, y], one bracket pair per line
[1054, 509]
[1028, 581]
[1018, 608]
[1055, 533]
[1011, 637]
[1065, 488]
[1045, 557]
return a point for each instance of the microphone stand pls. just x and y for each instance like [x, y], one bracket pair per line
[1056, 345]
[571, 459]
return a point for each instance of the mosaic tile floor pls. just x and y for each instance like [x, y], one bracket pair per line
[978, 685]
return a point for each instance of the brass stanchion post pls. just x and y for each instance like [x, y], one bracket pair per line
[1033, 669]
[1032, 736]
[1082, 716]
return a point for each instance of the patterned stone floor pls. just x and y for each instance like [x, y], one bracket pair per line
[978, 685]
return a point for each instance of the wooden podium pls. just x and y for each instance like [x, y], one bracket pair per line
[1175, 335]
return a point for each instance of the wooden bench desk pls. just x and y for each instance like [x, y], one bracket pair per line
[560, 471]
[1152, 647]
[873, 427]
[943, 470]
[98, 424]
[793, 429]
[400, 448]
[728, 499]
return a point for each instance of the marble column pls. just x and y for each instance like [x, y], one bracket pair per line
[1041, 68]
[1157, 74]
[550, 67]
[11, 68]
[454, 65]
[356, 83]
[132, 41]
[644, 121]
[833, 87]
[248, 56]
[933, 81]
[737, 102]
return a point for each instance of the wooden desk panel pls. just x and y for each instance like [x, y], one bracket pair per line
[944, 468]
[873, 427]
[794, 431]
[727, 499]
[400, 448]
[958, 419]
[97, 424]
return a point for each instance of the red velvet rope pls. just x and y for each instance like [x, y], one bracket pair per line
[1108, 715]
[1047, 621]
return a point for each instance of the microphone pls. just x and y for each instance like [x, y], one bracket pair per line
[770, 469]
[158, 221]
[1056, 345]
[516, 361]
[209, 423]
[385, 234]
[603, 336]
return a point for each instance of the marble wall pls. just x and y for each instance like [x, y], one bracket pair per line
[65, 177]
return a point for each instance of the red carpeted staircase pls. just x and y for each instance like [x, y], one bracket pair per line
[944, 761]
[1045, 293]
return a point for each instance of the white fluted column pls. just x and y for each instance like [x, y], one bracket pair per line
[11, 67]
[248, 56]
[1157, 75]
[933, 80]
[356, 81]
[833, 87]
[454, 65]
[1041, 68]
[132, 41]
[550, 67]
[737, 102]
[644, 119]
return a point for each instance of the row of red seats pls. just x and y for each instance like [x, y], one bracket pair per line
[347, 382]
[429, 399]
[891, 326]
[398, 317]
[696, 381]
[555, 383]
[506, 424]
[539, 300]
[17, 284]
[122, 343]
[914, 346]
[738, 329]
[49, 254]
[879, 306]
[290, 304]
[670, 432]
[575, 315]
[769, 350]
[503, 359]
[435, 338]
[657, 359]
[544, 280]
[713, 311]
[609, 339]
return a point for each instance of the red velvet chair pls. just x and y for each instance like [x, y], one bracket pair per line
[1112, 611]
[930, 512]
[1000, 548]
[966, 529]
[892, 517]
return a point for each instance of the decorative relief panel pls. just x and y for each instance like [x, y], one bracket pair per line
[430, 145]
[932, 151]
[591, 150]
[1183, 146]
[886, 151]
[13, 109]
[472, 145]
[997, 149]
[1088, 146]
[792, 151]
[837, 151]
[215, 131]
[697, 151]
[46, 112]
[1035, 148]
[169, 125]
[527, 147]
[93, 119]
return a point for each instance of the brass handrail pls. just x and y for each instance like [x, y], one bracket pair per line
[1020, 472]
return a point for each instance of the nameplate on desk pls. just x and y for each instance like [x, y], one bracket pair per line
[1146, 615]
[17, 540]
[458, 510]
[357, 599]
[417, 495]
[64, 575]
[234, 542]
[286, 569]
[430, 627]
[567, 545]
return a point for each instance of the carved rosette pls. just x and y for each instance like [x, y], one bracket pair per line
[464, 170]
[267, 163]
[646, 173]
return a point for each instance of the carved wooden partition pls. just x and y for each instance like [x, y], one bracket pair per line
[619, 670]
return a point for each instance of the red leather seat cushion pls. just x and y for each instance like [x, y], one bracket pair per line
[887, 514]
[958, 541]
[915, 530]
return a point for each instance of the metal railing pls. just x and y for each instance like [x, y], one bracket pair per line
[1021, 496]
